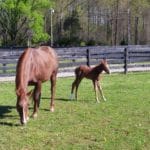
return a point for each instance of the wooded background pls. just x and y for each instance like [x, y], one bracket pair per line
[74, 22]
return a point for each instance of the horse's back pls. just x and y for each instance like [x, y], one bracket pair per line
[45, 62]
[47, 54]
[48, 50]
[82, 69]
[37, 64]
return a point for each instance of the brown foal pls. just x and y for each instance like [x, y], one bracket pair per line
[91, 73]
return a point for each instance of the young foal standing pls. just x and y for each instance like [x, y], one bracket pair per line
[35, 66]
[91, 73]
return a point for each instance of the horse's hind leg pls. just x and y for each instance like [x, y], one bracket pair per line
[53, 89]
[77, 86]
[72, 89]
[36, 98]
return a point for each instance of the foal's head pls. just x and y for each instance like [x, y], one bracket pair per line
[105, 66]
[22, 107]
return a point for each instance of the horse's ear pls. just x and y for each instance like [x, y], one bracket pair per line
[103, 60]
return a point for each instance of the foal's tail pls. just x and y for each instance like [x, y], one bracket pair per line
[78, 72]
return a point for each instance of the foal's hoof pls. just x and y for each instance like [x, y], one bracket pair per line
[72, 97]
[52, 109]
[105, 99]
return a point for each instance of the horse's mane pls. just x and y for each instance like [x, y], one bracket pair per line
[22, 71]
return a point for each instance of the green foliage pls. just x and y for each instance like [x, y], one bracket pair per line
[66, 41]
[72, 23]
[37, 28]
[24, 16]
[21, 20]
[120, 123]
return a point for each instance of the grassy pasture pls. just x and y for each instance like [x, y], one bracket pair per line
[120, 123]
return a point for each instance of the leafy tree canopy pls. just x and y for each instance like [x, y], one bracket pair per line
[21, 19]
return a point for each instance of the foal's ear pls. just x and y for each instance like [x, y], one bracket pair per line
[103, 60]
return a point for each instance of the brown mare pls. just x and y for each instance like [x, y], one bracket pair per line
[91, 73]
[35, 66]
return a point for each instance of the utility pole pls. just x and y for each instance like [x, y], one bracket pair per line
[51, 15]
[129, 24]
[116, 22]
[88, 7]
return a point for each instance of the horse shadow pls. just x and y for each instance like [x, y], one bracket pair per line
[59, 99]
[5, 112]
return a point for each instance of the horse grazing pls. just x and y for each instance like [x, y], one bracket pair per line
[91, 73]
[35, 66]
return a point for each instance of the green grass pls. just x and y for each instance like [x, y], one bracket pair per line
[120, 123]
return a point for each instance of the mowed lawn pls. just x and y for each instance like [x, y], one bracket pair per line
[120, 123]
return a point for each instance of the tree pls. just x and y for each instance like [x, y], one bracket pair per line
[72, 24]
[21, 20]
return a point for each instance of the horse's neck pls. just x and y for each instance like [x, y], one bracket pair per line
[98, 69]
[22, 77]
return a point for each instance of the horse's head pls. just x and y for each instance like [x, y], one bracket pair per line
[105, 65]
[22, 107]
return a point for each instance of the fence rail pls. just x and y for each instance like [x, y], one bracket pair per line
[120, 58]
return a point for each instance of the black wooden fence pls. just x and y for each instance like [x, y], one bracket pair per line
[120, 58]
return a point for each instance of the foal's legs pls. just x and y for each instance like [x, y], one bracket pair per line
[53, 88]
[96, 90]
[36, 98]
[77, 85]
[73, 86]
[101, 91]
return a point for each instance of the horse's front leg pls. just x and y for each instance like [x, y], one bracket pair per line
[96, 90]
[53, 89]
[101, 91]
[36, 98]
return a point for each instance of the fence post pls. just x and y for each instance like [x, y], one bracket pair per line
[4, 65]
[88, 57]
[126, 60]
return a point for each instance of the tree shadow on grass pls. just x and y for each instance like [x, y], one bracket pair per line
[5, 113]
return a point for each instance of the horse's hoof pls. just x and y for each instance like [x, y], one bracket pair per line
[28, 118]
[52, 109]
[34, 115]
[23, 122]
